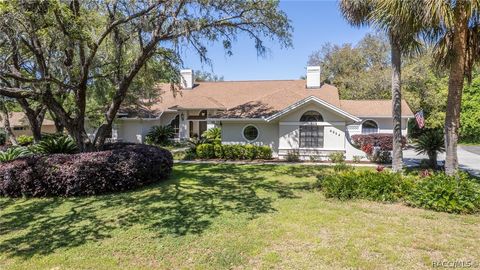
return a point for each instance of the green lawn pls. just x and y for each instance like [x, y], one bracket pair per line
[229, 216]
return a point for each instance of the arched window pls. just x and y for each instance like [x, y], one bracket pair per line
[369, 127]
[311, 136]
[311, 116]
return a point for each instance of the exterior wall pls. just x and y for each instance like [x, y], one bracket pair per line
[289, 133]
[283, 135]
[134, 130]
[385, 125]
[232, 133]
[27, 131]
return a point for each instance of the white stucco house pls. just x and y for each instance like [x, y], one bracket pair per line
[287, 115]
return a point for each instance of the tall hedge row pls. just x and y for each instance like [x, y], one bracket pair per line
[117, 168]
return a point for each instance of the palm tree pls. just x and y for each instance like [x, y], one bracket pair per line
[454, 28]
[402, 31]
[431, 142]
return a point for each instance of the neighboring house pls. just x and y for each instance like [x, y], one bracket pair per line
[20, 126]
[287, 115]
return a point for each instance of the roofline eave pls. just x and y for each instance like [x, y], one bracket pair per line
[315, 99]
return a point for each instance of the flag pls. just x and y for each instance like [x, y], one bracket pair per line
[420, 119]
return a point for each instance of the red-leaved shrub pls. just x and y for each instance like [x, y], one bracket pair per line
[382, 140]
[119, 167]
[367, 148]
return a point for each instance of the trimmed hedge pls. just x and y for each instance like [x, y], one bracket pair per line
[382, 140]
[233, 151]
[117, 168]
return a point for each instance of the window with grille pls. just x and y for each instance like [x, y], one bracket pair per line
[311, 136]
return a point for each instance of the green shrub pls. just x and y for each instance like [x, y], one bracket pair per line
[336, 157]
[205, 151]
[24, 140]
[160, 135]
[343, 186]
[250, 151]
[228, 152]
[383, 186]
[190, 154]
[56, 145]
[56, 135]
[341, 167]
[370, 185]
[239, 151]
[264, 152]
[3, 138]
[232, 151]
[381, 156]
[356, 159]
[13, 153]
[218, 149]
[293, 156]
[453, 194]
[213, 135]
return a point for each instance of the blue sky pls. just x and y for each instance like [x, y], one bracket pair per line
[314, 23]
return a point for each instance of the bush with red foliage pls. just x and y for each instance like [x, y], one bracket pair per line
[367, 148]
[382, 140]
[118, 167]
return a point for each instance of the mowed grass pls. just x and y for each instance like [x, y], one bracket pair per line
[229, 217]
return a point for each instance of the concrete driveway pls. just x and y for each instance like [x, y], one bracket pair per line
[468, 157]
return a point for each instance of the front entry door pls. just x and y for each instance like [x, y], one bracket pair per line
[202, 127]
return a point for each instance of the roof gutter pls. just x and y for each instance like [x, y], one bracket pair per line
[237, 119]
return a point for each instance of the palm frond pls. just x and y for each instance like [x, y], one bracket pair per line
[356, 12]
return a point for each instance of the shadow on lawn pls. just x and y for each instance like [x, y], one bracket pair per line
[186, 204]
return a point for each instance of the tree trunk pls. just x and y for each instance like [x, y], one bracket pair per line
[35, 118]
[74, 126]
[397, 155]
[7, 127]
[432, 156]
[455, 87]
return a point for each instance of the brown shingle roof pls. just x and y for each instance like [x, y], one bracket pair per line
[378, 108]
[19, 119]
[251, 99]
[244, 98]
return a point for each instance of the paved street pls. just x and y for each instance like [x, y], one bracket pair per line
[468, 157]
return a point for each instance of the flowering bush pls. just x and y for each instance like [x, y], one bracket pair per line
[117, 168]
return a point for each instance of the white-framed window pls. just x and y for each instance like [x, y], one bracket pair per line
[311, 136]
[250, 133]
[175, 123]
[369, 127]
